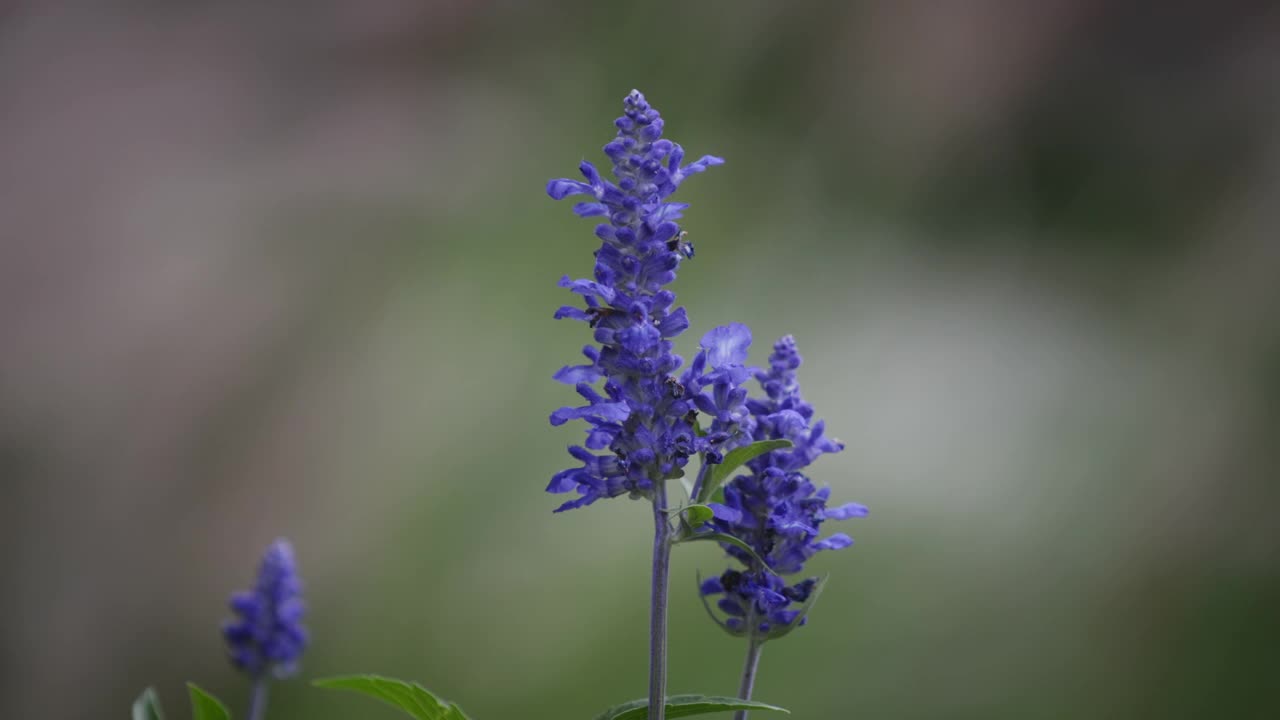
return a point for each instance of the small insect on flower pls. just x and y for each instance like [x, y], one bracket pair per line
[681, 244]
[596, 314]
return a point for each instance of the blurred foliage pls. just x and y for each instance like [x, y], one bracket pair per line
[281, 277]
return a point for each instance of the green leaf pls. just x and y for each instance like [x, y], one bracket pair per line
[205, 706]
[697, 515]
[777, 632]
[679, 706]
[412, 698]
[147, 706]
[722, 537]
[735, 459]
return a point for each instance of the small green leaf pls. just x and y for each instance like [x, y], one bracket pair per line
[412, 698]
[679, 706]
[205, 706]
[697, 515]
[724, 538]
[147, 706]
[779, 631]
[733, 460]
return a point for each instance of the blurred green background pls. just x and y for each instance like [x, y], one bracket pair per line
[288, 269]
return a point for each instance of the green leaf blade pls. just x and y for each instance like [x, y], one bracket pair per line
[413, 699]
[679, 706]
[205, 706]
[734, 459]
[147, 706]
[725, 538]
[698, 515]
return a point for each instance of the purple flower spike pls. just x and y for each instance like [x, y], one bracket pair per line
[267, 634]
[645, 417]
[779, 511]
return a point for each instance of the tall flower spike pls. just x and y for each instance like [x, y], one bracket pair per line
[267, 635]
[778, 510]
[644, 418]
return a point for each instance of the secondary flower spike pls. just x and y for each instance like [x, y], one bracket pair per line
[780, 509]
[644, 420]
[267, 633]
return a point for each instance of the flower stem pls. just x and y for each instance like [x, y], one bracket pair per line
[658, 604]
[754, 645]
[258, 698]
[702, 477]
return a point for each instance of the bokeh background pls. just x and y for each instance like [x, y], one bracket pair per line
[288, 269]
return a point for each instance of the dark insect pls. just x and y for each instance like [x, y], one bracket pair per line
[680, 244]
[599, 313]
[675, 388]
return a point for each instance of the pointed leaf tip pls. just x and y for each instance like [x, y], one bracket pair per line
[205, 706]
[733, 460]
[147, 706]
[412, 698]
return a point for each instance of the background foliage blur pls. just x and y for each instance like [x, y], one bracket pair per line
[288, 269]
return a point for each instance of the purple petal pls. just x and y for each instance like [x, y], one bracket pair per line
[711, 586]
[573, 313]
[846, 511]
[585, 209]
[727, 345]
[674, 323]
[606, 411]
[725, 513]
[697, 166]
[835, 542]
[562, 188]
[588, 288]
[575, 374]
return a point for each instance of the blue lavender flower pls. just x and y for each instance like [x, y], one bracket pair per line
[774, 507]
[720, 366]
[267, 634]
[645, 419]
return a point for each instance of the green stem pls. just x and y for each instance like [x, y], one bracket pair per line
[754, 644]
[258, 698]
[658, 604]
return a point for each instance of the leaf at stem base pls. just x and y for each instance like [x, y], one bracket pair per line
[205, 706]
[679, 706]
[412, 698]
